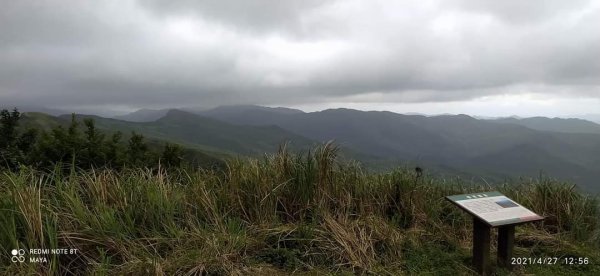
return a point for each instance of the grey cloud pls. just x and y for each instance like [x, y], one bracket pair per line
[257, 15]
[521, 12]
[206, 53]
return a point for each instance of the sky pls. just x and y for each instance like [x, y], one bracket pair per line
[484, 58]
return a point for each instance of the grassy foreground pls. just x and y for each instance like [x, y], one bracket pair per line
[278, 215]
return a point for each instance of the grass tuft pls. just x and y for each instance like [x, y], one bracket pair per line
[280, 214]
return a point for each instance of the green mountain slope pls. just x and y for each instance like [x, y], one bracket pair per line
[143, 115]
[554, 124]
[454, 142]
[39, 120]
[449, 143]
[203, 133]
[246, 114]
[46, 122]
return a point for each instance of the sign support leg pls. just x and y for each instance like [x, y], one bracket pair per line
[481, 247]
[506, 240]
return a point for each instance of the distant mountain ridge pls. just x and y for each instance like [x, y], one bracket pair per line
[34, 108]
[149, 115]
[571, 125]
[143, 115]
[509, 147]
[590, 117]
[196, 131]
[456, 141]
[234, 109]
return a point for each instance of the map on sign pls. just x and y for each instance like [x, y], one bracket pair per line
[494, 208]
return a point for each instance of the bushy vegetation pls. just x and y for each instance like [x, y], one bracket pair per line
[80, 144]
[281, 214]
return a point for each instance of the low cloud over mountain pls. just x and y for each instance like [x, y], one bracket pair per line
[120, 55]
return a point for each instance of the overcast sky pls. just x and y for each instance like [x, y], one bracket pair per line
[484, 57]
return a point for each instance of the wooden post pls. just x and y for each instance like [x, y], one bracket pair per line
[475, 204]
[506, 240]
[481, 247]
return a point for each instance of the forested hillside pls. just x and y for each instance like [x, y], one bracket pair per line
[454, 143]
[201, 132]
[490, 151]
[42, 141]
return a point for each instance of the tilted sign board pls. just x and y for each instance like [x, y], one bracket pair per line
[494, 208]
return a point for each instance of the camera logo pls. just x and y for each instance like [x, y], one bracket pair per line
[18, 255]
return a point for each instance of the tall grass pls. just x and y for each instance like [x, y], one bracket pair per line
[278, 214]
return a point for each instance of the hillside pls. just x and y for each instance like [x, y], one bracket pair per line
[41, 121]
[143, 115]
[591, 117]
[33, 109]
[455, 142]
[193, 156]
[205, 133]
[446, 144]
[222, 112]
[280, 214]
[554, 124]
[247, 114]
[304, 213]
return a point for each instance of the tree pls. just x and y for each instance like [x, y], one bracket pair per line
[9, 151]
[15, 148]
[74, 141]
[26, 143]
[45, 151]
[69, 144]
[8, 128]
[172, 155]
[137, 150]
[60, 145]
[113, 149]
[93, 152]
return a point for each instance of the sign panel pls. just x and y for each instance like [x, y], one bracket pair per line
[494, 208]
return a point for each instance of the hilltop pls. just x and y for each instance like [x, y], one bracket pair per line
[281, 214]
[294, 210]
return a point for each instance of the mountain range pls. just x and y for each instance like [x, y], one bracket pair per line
[495, 149]
[571, 125]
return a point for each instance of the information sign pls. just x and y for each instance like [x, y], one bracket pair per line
[494, 208]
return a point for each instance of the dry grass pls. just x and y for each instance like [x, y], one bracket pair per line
[280, 214]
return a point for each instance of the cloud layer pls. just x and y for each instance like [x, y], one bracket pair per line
[205, 53]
